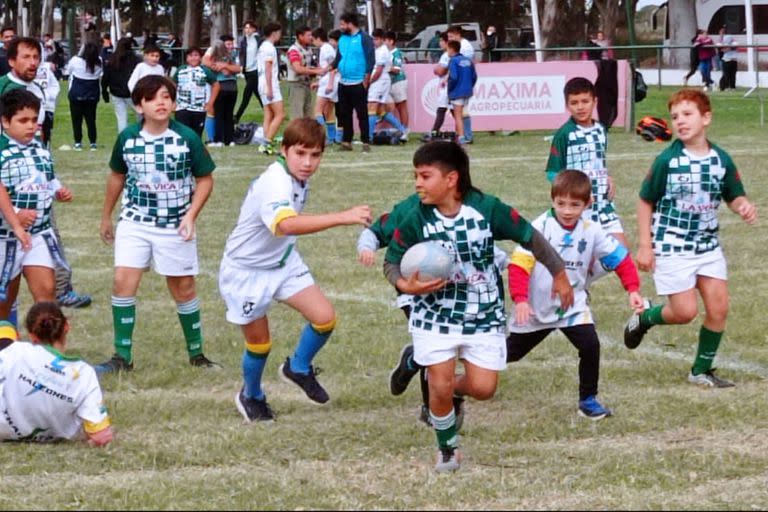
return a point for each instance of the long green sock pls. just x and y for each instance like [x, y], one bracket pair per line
[705, 355]
[189, 317]
[445, 429]
[652, 316]
[123, 321]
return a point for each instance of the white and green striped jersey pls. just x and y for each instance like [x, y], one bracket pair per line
[193, 87]
[583, 149]
[473, 301]
[26, 170]
[160, 172]
[686, 191]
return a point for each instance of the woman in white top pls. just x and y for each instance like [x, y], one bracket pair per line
[85, 71]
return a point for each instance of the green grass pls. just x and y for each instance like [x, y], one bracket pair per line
[181, 444]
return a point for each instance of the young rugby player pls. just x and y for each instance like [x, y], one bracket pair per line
[678, 232]
[578, 241]
[165, 175]
[261, 263]
[194, 83]
[328, 85]
[269, 86]
[463, 317]
[381, 82]
[67, 404]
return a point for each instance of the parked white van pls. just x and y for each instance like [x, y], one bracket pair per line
[416, 49]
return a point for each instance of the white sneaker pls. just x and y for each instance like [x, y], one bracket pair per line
[404, 136]
[709, 380]
[448, 460]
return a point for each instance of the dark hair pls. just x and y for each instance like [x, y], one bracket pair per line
[444, 37]
[302, 30]
[319, 33]
[15, 100]
[151, 48]
[13, 46]
[570, 183]
[454, 45]
[46, 322]
[106, 35]
[391, 35]
[194, 49]
[578, 85]
[454, 29]
[6, 29]
[304, 131]
[378, 33]
[270, 28]
[226, 37]
[90, 55]
[250, 23]
[146, 89]
[350, 17]
[123, 57]
[448, 157]
[334, 34]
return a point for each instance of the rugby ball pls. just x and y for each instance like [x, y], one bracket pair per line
[430, 259]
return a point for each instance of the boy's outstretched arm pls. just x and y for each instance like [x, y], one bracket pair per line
[645, 259]
[367, 245]
[744, 208]
[306, 224]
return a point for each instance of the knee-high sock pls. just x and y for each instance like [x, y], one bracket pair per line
[320, 119]
[254, 361]
[123, 321]
[372, 119]
[312, 339]
[391, 119]
[467, 128]
[210, 128]
[330, 130]
[445, 429]
[189, 318]
[709, 341]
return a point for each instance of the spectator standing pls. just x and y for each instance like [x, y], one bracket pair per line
[491, 44]
[106, 48]
[249, 47]
[150, 66]
[222, 61]
[704, 43]
[300, 74]
[730, 65]
[434, 48]
[85, 72]
[46, 79]
[693, 58]
[465, 48]
[7, 34]
[602, 42]
[354, 61]
[114, 81]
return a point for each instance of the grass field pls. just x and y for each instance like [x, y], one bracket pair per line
[181, 444]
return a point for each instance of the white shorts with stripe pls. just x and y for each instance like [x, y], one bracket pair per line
[38, 256]
[139, 246]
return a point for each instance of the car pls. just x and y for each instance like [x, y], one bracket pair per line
[416, 50]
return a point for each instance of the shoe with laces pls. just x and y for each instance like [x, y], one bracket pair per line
[266, 149]
[72, 299]
[406, 369]
[634, 331]
[308, 383]
[252, 409]
[201, 361]
[78, 147]
[710, 380]
[345, 146]
[448, 460]
[93, 147]
[463, 140]
[592, 409]
[114, 365]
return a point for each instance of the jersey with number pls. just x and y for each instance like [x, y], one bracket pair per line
[267, 53]
[578, 247]
[473, 300]
[583, 149]
[398, 62]
[46, 396]
[159, 173]
[272, 197]
[686, 191]
[193, 87]
[383, 59]
[26, 171]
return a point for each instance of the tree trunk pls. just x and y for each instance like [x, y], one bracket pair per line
[682, 28]
[379, 20]
[339, 8]
[193, 19]
[47, 17]
[610, 12]
[324, 13]
[218, 19]
[138, 16]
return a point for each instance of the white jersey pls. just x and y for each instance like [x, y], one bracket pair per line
[272, 197]
[267, 53]
[45, 395]
[49, 84]
[327, 56]
[577, 247]
[383, 59]
[141, 70]
[467, 50]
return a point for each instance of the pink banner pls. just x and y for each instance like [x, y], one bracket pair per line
[508, 96]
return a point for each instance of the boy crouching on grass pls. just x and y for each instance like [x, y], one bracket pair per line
[677, 224]
[463, 317]
[261, 263]
[165, 175]
[579, 242]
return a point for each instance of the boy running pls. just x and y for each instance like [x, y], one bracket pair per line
[463, 317]
[536, 315]
[165, 175]
[678, 232]
[261, 263]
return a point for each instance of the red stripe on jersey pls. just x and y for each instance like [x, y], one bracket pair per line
[399, 239]
[514, 215]
[518, 283]
[294, 56]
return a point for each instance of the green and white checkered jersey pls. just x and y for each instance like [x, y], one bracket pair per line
[193, 88]
[583, 149]
[398, 62]
[160, 172]
[578, 247]
[272, 197]
[26, 170]
[385, 225]
[686, 191]
[473, 301]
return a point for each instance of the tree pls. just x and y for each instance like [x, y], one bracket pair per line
[682, 28]
[46, 17]
[193, 21]
[339, 8]
[219, 17]
[379, 20]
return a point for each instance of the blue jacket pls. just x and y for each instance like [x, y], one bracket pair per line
[461, 77]
[355, 57]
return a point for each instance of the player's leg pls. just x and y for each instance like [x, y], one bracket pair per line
[184, 293]
[278, 112]
[477, 382]
[11, 293]
[65, 294]
[251, 400]
[386, 114]
[714, 294]
[442, 414]
[76, 110]
[359, 99]
[329, 113]
[458, 111]
[584, 338]
[520, 343]
[373, 110]
[41, 282]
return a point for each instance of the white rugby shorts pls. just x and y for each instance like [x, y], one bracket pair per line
[460, 102]
[276, 93]
[676, 274]
[322, 85]
[485, 349]
[248, 293]
[378, 91]
[38, 256]
[398, 93]
[139, 246]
